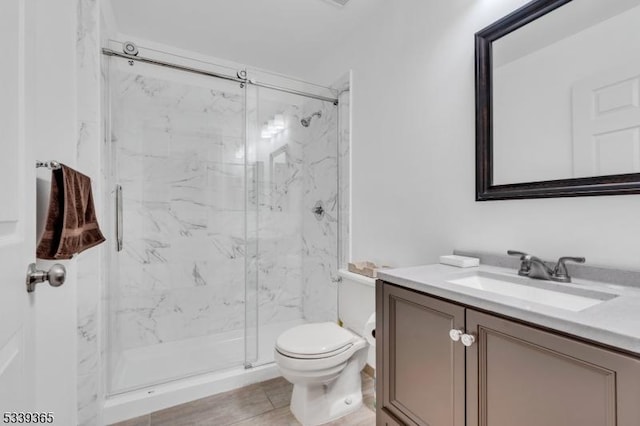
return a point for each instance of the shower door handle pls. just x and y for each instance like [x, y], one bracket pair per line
[119, 223]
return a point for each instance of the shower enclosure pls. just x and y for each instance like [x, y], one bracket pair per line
[224, 200]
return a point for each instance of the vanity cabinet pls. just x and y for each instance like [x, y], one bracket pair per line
[423, 371]
[512, 374]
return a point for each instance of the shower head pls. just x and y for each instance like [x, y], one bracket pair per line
[307, 120]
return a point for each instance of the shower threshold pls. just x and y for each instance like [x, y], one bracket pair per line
[136, 367]
[152, 365]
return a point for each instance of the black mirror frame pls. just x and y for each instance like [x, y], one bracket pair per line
[485, 190]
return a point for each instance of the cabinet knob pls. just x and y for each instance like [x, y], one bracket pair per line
[468, 339]
[455, 334]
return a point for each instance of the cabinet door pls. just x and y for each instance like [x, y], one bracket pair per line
[421, 368]
[518, 375]
[385, 419]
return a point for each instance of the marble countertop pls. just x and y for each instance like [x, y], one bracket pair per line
[614, 322]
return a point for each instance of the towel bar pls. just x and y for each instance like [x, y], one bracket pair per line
[52, 165]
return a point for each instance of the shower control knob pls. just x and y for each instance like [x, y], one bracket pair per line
[455, 334]
[318, 210]
[468, 339]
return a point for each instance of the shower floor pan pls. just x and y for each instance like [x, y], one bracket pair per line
[160, 376]
[149, 365]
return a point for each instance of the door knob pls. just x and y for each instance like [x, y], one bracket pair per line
[455, 334]
[468, 339]
[56, 276]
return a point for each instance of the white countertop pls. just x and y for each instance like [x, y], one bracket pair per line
[615, 322]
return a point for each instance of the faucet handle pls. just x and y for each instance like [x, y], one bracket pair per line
[525, 266]
[560, 271]
[522, 255]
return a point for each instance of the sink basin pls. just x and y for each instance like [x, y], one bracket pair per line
[541, 292]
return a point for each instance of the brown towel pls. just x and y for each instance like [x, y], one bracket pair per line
[72, 226]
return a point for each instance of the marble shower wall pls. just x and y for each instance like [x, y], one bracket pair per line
[179, 147]
[296, 252]
[88, 152]
[276, 163]
[320, 234]
[343, 86]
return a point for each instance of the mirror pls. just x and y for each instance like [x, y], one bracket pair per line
[558, 101]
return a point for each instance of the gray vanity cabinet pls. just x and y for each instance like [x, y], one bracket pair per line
[520, 375]
[512, 375]
[423, 370]
[384, 419]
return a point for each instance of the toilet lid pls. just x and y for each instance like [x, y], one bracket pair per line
[314, 339]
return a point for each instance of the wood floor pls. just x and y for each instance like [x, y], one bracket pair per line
[262, 404]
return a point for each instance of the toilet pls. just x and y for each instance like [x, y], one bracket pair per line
[323, 361]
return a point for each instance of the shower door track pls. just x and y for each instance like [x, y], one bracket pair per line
[109, 52]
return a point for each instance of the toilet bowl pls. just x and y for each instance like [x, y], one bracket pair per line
[323, 361]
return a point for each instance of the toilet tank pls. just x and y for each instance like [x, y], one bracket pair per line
[356, 302]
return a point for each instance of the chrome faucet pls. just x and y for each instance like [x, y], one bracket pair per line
[534, 267]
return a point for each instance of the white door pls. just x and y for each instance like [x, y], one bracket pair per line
[17, 211]
[606, 123]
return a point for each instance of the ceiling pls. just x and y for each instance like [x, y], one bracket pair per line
[286, 36]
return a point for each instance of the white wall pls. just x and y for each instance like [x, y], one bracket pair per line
[67, 116]
[55, 139]
[88, 150]
[284, 36]
[413, 149]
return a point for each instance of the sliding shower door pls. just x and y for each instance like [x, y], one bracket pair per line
[225, 207]
[176, 288]
[292, 153]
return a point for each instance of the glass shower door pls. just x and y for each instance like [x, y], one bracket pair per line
[176, 290]
[292, 159]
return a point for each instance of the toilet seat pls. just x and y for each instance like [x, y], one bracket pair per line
[313, 341]
[314, 356]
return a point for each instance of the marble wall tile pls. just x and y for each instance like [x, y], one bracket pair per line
[88, 60]
[320, 235]
[181, 274]
[89, 400]
[279, 246]
[296, 256]
[88, 161]
[344, 176]
[88, 312]
[208, 237]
